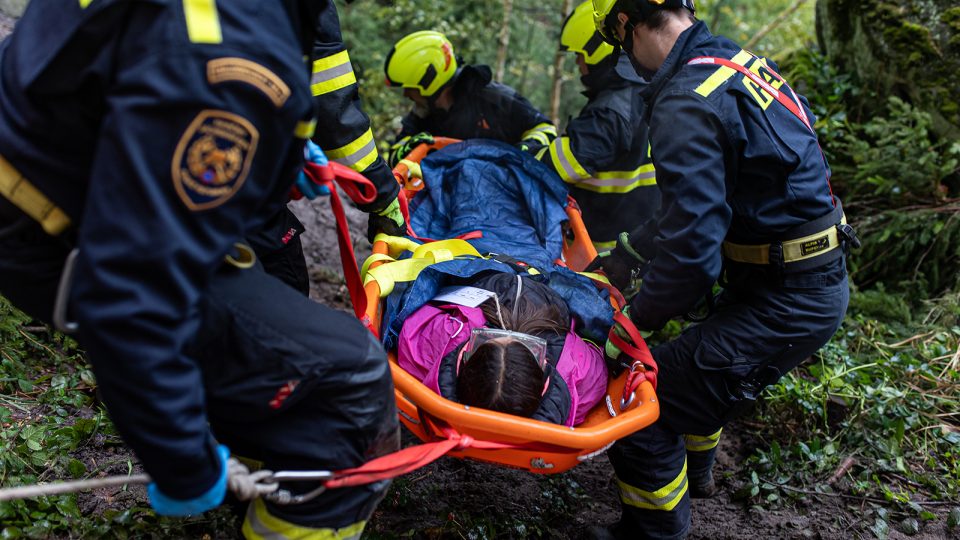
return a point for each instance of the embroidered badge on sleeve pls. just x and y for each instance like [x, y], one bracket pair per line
[212, 159]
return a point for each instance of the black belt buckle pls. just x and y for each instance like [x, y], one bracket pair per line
[848, 236]
[776, 257]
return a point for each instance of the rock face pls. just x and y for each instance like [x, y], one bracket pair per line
[13, 8]
[907, 48]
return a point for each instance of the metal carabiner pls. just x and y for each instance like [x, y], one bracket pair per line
[284, 497]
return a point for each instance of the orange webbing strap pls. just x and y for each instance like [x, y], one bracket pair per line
[362, 191]
[410, 459]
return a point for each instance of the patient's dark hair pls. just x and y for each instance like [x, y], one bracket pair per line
[504, 376]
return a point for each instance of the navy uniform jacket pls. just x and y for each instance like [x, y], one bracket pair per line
[732, 164]
[605, 157]
[482, 109]
[165, 131]
[334, 87]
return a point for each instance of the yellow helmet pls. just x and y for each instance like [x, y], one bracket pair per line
[580, 35]
[423, 60]
[605, 13]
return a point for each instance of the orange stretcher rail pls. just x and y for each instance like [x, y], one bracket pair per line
[514, 441]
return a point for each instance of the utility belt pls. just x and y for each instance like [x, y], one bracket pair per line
[803, 248]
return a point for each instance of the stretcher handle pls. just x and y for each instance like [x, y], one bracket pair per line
[402, 170]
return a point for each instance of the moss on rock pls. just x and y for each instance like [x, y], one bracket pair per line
[909, 49]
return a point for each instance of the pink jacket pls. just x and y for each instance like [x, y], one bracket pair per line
[432, 332]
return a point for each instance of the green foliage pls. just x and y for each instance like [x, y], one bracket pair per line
[49, 420]
[370, 29]
[893, 156]
[916, 252]
[741, 20]
[873, 418]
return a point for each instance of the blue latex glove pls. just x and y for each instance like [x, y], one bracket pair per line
[310, 190]
[166, 506]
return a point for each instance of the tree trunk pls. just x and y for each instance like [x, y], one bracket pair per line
[504, 40]
[558, 73]
[909, 48]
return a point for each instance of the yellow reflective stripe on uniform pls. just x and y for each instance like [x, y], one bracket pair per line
[203, 21]
[332, 73]
[722, 74]
[665, 498]
[304, 129]
[620, 182]
[85, 3]
[565, 162]
[25, 196]
[697, 443]
[359, 154]
[260, 525]
[542, 133]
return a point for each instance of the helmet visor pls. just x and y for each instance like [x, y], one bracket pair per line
[480, 336]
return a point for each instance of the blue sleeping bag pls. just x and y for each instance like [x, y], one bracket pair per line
[519, 206]
[491, 187]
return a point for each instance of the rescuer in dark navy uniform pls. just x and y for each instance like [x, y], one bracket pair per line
[603, 153]
[746, 199]
[152, 138]
[459, 102]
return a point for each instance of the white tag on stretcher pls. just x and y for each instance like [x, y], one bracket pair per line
[463, 296]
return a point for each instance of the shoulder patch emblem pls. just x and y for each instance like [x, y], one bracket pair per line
[230, 69]
[212, 159]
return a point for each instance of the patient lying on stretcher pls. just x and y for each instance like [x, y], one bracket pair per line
[516, 353]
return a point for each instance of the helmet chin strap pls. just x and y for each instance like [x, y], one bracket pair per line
[629, 27]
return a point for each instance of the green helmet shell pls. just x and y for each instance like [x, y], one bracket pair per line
[580, 35]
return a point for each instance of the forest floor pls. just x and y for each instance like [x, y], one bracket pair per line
[460, 499]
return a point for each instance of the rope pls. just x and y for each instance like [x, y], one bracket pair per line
[244, 484]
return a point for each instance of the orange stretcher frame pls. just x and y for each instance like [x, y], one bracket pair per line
[541, 447]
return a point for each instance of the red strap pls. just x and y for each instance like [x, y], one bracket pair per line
[362, 191]
[410, 459]
[792, 105]
[636, 349]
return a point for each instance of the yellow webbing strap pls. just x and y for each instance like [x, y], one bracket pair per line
[25, 196]
[595, 277]
[424, 255]
[796, 250]
[396, 244]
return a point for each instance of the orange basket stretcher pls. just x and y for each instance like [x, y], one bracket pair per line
[509, 440]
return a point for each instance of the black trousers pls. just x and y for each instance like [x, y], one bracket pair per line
[762, 322]
[289, 382]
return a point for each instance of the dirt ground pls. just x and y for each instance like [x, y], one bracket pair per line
[458, 499]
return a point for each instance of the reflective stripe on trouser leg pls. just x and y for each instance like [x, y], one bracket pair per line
[701, 452]
[260, 525]
[665, 498]
[651, 473]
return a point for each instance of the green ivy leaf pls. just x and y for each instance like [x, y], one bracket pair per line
[76, 468]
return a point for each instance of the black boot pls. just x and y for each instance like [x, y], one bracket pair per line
[702, 486]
